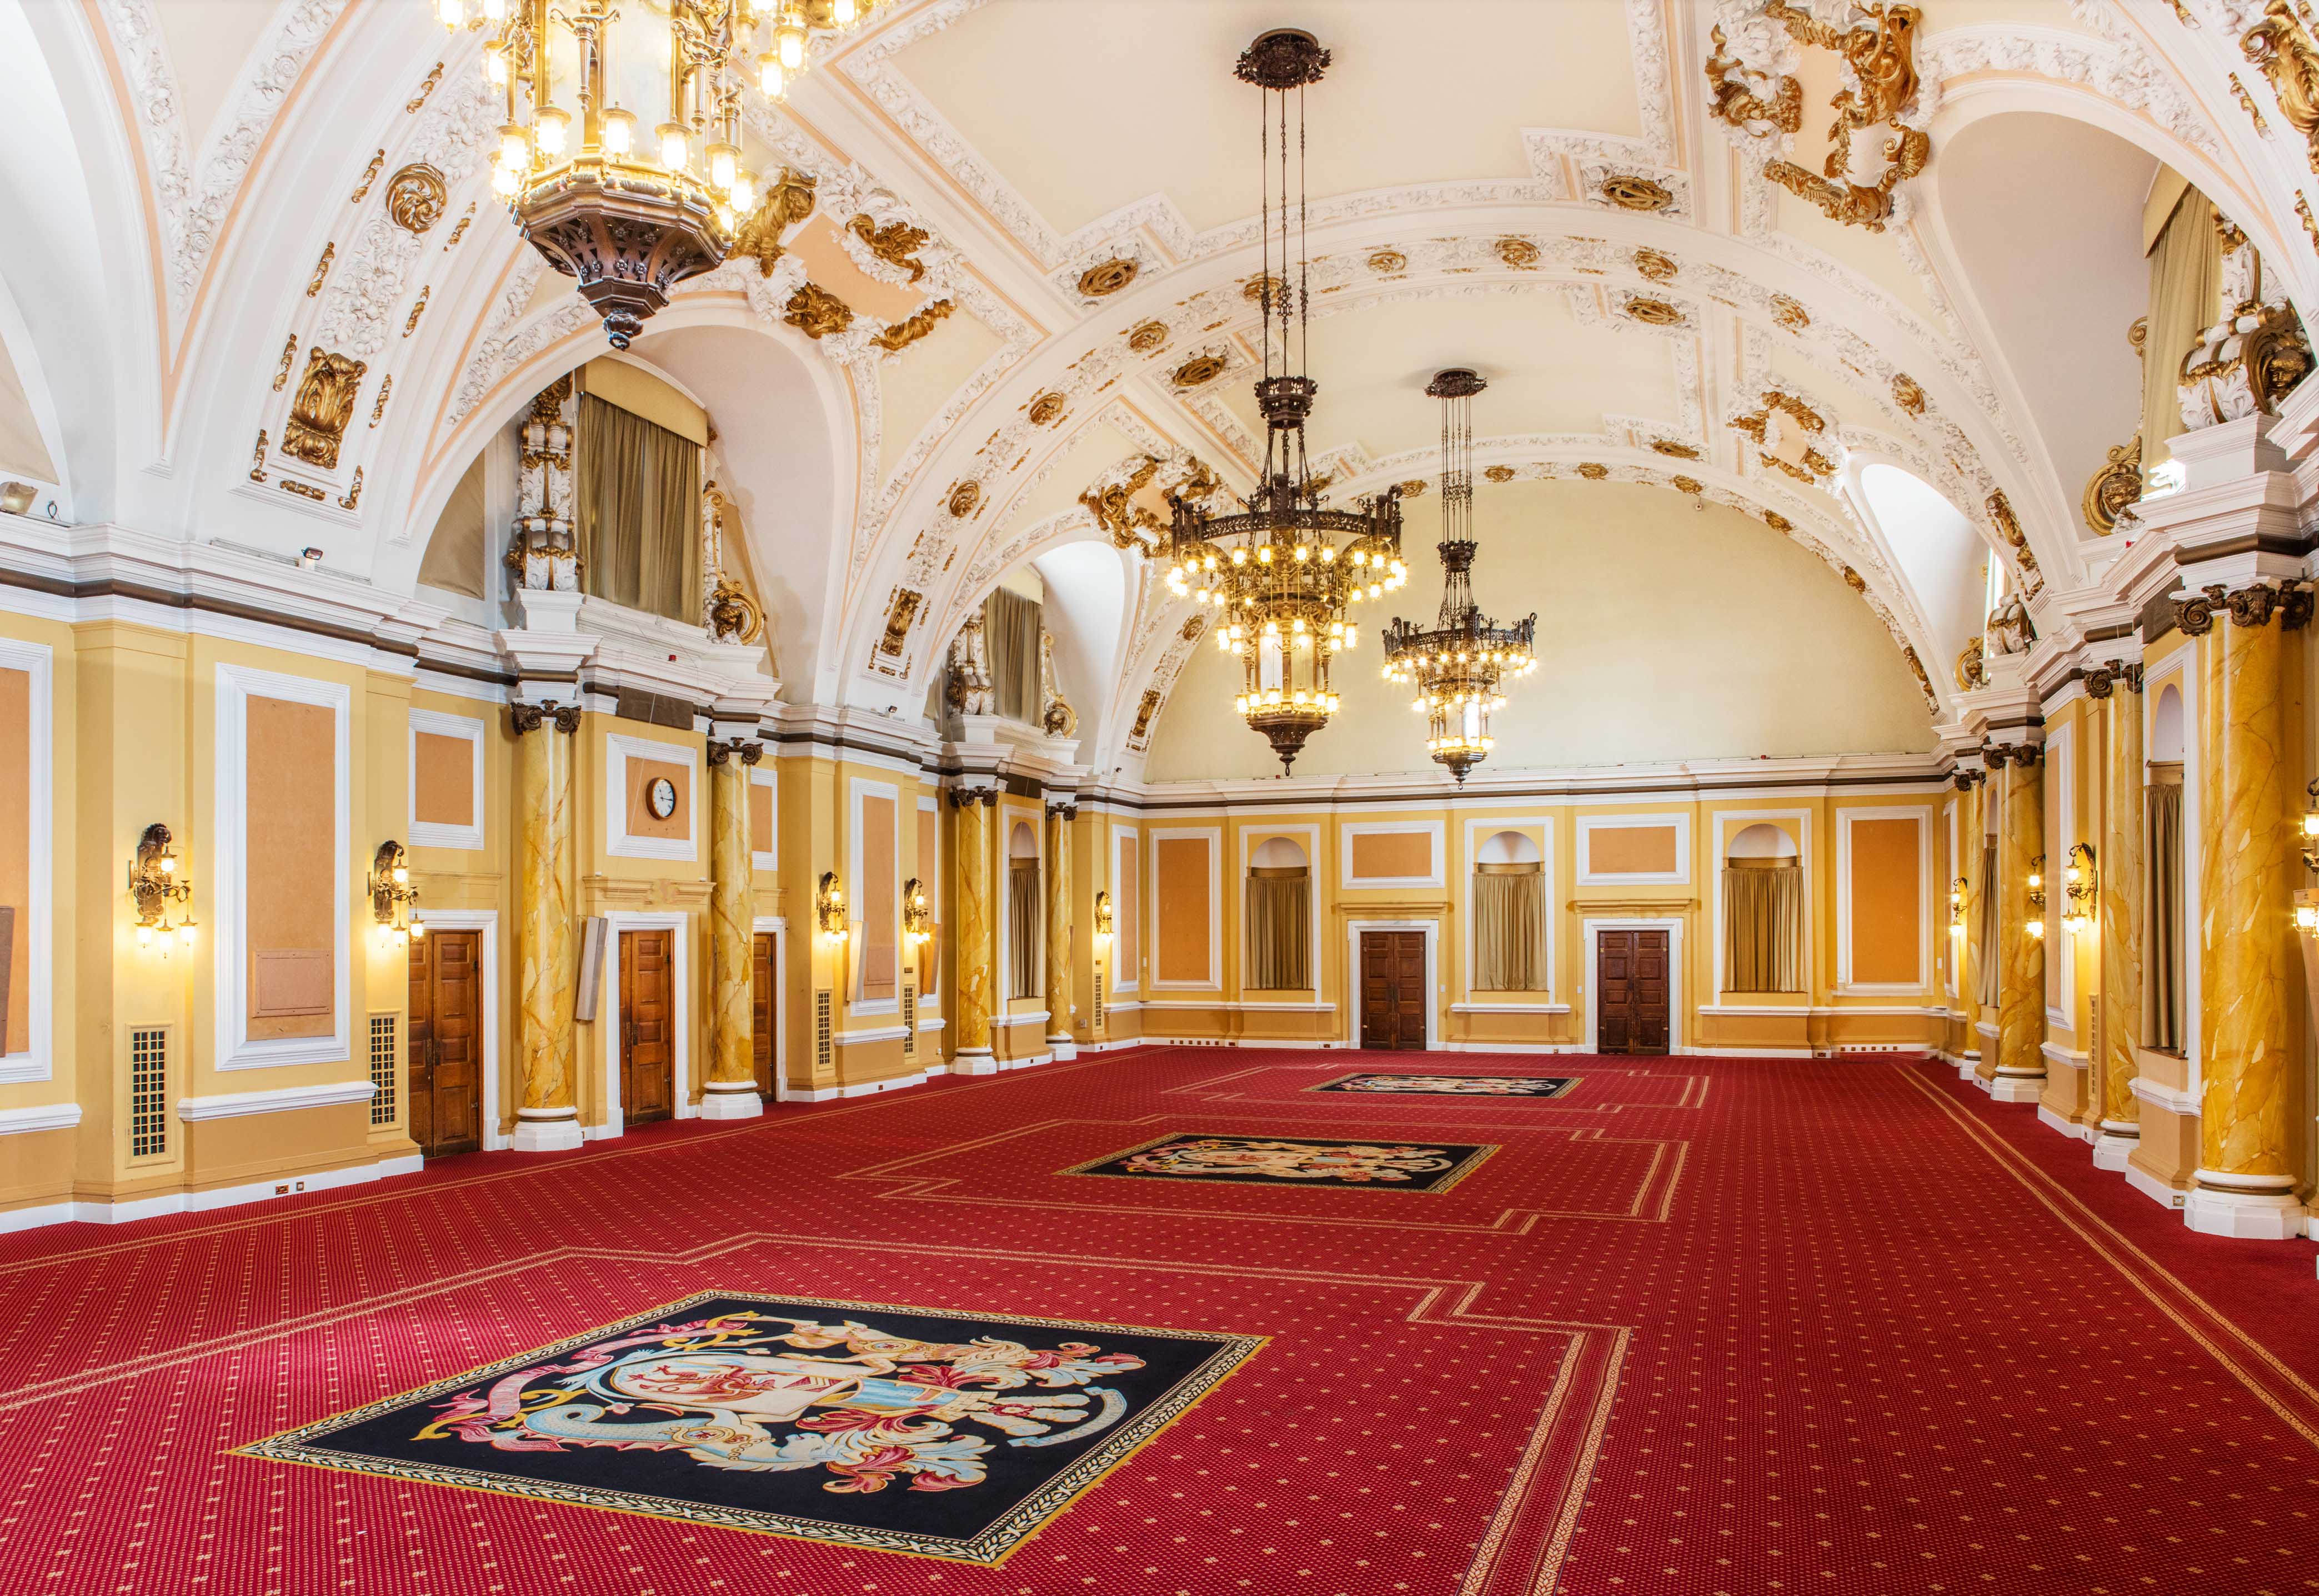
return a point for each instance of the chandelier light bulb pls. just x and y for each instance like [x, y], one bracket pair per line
[453, 12]
[724, 165]
[494, 10]
[495, 66]
[841, 12]
[770, 79]
[789, 39]
[618, 132]
[505, 181]
[552, 124]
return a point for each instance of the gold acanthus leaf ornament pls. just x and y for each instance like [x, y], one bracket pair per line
[789, 199]
[896, 243]
[1736, 102]
[369, 177]
[282, 367]
[1518, 253]
[1908, 395]
[1789, 313]
[965, 499]
[1658, 268]
[1107, 277]
[1197, 370]
[2281, 47]
[1047, 409]
[416, 197]
[1653, 312]
[899, 615]
[322, 270]
[1632, 192]
[1880, 45]
[902, 334]
[2009, 528]
[1147, 336]
[1674, 450]
[1592, 471]
[1122, 520]
[1500, 473]
[324, 404]
[2112, 490]
[815, 312]
[1386, 262]
[1414, 488]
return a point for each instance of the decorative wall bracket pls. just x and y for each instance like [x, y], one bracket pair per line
[917, 920]
[829, 908]
[2035, 925]
[1103, 928]
[1957, 890]
[157, 880]
[2081, 883]
[393, 900]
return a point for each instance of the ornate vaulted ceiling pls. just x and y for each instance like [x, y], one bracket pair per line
[1544, 191]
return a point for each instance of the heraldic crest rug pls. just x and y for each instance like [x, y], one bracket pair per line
[1293, 1160]
[902, 1429]
[1452, 1085]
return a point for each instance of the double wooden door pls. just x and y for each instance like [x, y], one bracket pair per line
[1393, 996]
[647, 1026]
[446, 1047]
[1632, 991]
[765, 1011]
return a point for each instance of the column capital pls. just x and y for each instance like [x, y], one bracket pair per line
[2250, 605]
[965, 797]
[1069, 811]
[529, 717]
[746, 751]
[2104, 680]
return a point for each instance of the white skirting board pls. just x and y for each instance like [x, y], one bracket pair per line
[223, 1196]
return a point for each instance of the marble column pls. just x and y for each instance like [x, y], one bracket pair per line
[2117, 691]
[1970, 829]
[2248, 1040]
[1059, 930]
[2017, 1074]
[548, 1116]
[730, 1092]
[975, 810]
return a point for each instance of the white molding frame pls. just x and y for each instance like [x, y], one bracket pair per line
[487, 922]
[40, 1116]
[230, 1106]
[1125, 841]
[1808, 956]
[777, 926]
[1213, 835]
[1348, 830]
[1311, 835]
[1473, 836]
[2061, 792]
[618, 749]
[1590, 929]
[236, 686]
[1433, 993]
[617, 922]
[766, 774]
[38, 1060]
[1846, 987]
[931, 876]
[430, 834]
[2175, 671]
[1950, 943]
[857, 789]
[1680, 820]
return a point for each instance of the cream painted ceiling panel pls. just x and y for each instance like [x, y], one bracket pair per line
[1745, 646]
[208, 41]
[914, 385]
[1103, 104]
[1095, 451]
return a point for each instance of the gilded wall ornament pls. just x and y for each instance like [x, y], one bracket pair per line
[901, 611]
[1191, 629]
[1778, 522]
[410, 322]
[1652, 312]
[1255, 288]
[1735, 102]
[324, 404]
[282, 367]
[789, 201]
[2243, 365]
[1144, 711]
[416, 197]
[1386, 262]
[2111, 490]
[2283, 50]
[1687, 484]
[1048, 409]
[1854, 580]
[1908, 395]
[1879, 44]
[2303, 213]
[965, 499]
[1630, 192]
[896, 243]
[1789, 313]
[1500, 473]
[257, 458]
[410, 106]
[304, 490]
[902, 334]
[385, 391]
[352, 495]
[1107, 277]
[1592, 471]
[1413, 488]
[459, 228]
[369, 177]
[1658, 268]
[815, 312]
[2008, 527]
[1127, 524]
[1971, 668]
[1924, 682]
[1668, 447]
[322, 270]
[1197, 370]
[1518, 253]
[1147, 336]
[2247, 104]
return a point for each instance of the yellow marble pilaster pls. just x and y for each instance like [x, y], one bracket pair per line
[729, 1091]
[2019, 1069]
[2119, 1030]
[1970, 829]
[1058, 925]
[548, 1116]
[975, 813]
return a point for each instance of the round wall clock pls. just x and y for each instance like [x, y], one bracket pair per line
[660, 797]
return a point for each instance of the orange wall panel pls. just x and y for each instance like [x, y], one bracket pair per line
[1391, 854]
[291, 800]
[444, 773]
[1182, 883]
[16, 851]
[1631, 851]
[1887, 913]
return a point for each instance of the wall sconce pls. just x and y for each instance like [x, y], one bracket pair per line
[1956, 904]
[829, 907]
[917, 926]
[2037, 896]
[2078, 880]
[1103, 918]
[2311, 829]
[393, 900]
[156, 880]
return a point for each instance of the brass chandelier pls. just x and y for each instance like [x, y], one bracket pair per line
[1282, 572]
[1459, 664]
[630, 213]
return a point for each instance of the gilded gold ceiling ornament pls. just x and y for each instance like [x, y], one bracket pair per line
[1414, 488]
[1631, 192]
[1778, 522]
[2310, 228]
[1254, 288]
[1908, 395]
[1916, 666]
[324, 404]
[965, 499]
[257, 458]
[1125, 522]
[2182, 14]
[410, 106]
[1687, 484]
[1592, 472]
[410, 322]
[304, 490]
[896, 243]
[789, 201]
[415, 197]
[369, 177]
[282, 367]
[385, 391]
[459, 229]
[2247, 104]
[1789, 313]
[1971, 664]
[2280, 46]
[815, 312]
[1386, 262]
[1658, 268]
[1674, 450]
[2243, 364]
[1879, 43]
[352, 495]
[1734, 101]
[1518, 253]
[900, 612]
[2008, 527]
[1500, 473]
[1191, 629]
[1047, 409]
[322, 270]
[1107, 277]
[2111, 489]
[1198, 369]
[902, 334]
[1147, 336]
[2137, 336]
[1652, 312]
[726, 610]
[1144, 711]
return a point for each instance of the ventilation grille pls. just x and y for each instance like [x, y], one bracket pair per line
[382, 1105]
[149, 1090]
[909, 1020]
[1098, 1000]
[825, 1057]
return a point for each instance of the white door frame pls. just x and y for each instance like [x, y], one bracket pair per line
[487, 922]
[1672, 927]
[1432, 930]
[616, 923]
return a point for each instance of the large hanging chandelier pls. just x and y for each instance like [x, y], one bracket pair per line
[1282, 573]
[630, 212]
[1459, 662]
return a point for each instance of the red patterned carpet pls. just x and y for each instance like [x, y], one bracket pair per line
[1700, 1326]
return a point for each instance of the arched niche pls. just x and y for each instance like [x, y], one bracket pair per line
[1023, 842]
[2166, 726]
[1278, 854]
[1508, 847]
[1760, 841]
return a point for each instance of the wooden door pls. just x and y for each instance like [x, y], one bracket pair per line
[446, 1047]
[647, 1027]
[1394, 998]
[1632, 991]
[764, 1009]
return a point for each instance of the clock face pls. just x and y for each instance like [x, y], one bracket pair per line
[660, 797]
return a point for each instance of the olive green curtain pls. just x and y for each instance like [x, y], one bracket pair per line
[2186, 285]
[1762, 926]
[1510, 928]
[1989, 953]
[1023, 929]
[1279, 930]
[2161, 970]
[1010, 628]
[639, 492]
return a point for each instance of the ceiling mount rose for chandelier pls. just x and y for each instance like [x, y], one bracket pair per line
[1282, 572]
[626, 211]
[1460, 663]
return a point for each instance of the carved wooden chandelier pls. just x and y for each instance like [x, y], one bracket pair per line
[1282, 572]
[1460, 663]
[631, 216]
